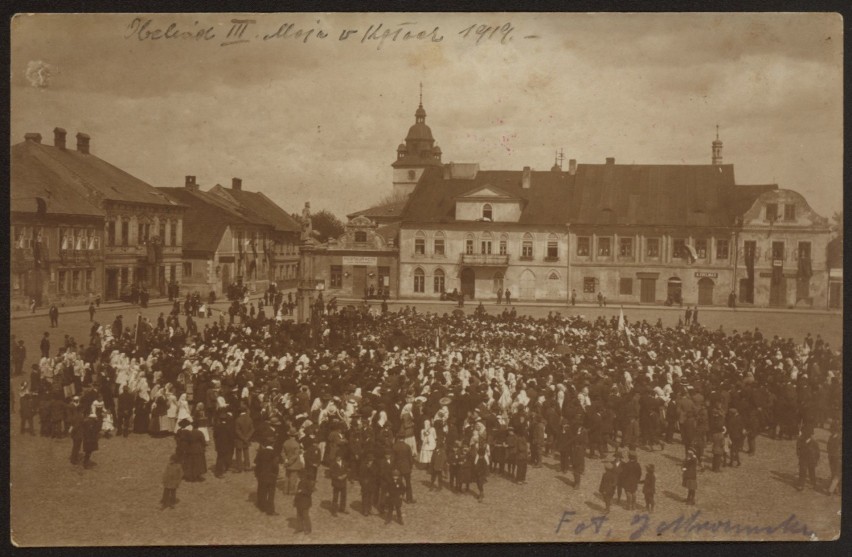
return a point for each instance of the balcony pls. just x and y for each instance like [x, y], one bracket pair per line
[485, 260]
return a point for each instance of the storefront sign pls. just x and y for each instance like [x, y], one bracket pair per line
[356, 260]
[777, 262]
[705, 274]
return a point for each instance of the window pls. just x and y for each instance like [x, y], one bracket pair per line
[804, 250]
[438, 244]
[125, 276]
[701, 248]
[652, 247]
[162, 232]
[583, 243]
[439, 281]
[552, 248]
[789, 212]
[771, 212]
[777, 250]
[485, 246]
[125, 232]
[750, 249]
[468, 246]
[497, 282]
[336, 276]
[486, 212]
[625, 247]
[90, 280]
[173, 273]
[411, 174]
[504, 246]
[723, 248]
[625, 286]
[419, 280]
[360, 236]
[75, 281]
[187, 269]
[679, 248]
[589, 285]
[61, 284]
[110, 233]
[173, 233]
[384, 276]
[527, 247]
[419, 246]
[604, 247]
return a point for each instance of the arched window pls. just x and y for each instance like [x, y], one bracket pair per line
[486, 212]
[419, 280]
[498, 281]
[420, 243]
[468, 244]
[439, 281]
[485, 244]
[553, 247]
[527, 246]
[438, 244]
[504, 244]
[553, 276]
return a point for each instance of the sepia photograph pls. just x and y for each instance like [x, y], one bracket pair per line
[420, 278]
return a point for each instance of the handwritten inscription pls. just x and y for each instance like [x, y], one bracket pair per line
[380, 34]
[642, 526]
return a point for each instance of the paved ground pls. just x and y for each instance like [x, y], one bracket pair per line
[116, 503]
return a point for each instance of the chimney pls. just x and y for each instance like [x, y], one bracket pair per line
[610, 160]
[572, 166]
[34, 137]
[190, 183]
[236, 184]
[83, 143]
[59, 138]
[525, 182]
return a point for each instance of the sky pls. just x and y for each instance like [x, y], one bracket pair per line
[312, 118]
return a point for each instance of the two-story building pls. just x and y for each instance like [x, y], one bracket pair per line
[139, 239]
[479, 232]
[783, 250]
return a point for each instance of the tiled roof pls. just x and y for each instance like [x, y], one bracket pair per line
[388, 210]
[205, 220]
[99, 179]
[388, 232]
[32, 179]
[260, 207]
[659, 195]
[545, 202]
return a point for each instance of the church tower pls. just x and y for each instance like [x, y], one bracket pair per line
[418, 152]
[717, 149]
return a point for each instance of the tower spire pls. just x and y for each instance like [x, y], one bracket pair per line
[421, 94]
[717, 149]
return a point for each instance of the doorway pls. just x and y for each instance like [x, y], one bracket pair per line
[674, 290]
[705, 291]
[648, 291]
[111, 284]
[468, 283]
[359, 280]
[778, 291]
[527, 285]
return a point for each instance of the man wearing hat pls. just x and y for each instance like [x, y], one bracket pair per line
[27, 409]
[404, 462]
[266, 468]
[630, 476]
[244, 429]
[394, 496]
[607, 485]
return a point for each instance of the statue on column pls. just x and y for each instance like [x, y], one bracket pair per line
[307, 227]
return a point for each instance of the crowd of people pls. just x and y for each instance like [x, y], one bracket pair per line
[372, 397]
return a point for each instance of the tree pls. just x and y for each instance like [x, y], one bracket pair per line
[326, 225]
[393, 197]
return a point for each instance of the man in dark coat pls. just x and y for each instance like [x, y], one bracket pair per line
[404, 461]
[243, 429]
[630, 475]
[91, 427]
[737, 435]
[27, 409]
[45, 345]
[368, 477]
[808, 452]
[266, 468]
[578, 455]
[339, 473]
[124, 414]
[19, 355]
[53, 312]
[383, 487]
[223, 437]
[303, 502]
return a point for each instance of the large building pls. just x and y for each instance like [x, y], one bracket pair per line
[635, 233]
[234, 236]
[83, 228]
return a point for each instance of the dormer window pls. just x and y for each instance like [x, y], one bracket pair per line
[486, 212]
[789, 212]
[411, 174]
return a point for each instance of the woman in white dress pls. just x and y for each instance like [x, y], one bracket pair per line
[183, 409]
[429, 438]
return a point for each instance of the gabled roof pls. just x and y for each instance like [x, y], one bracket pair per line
[260, 207]
[31, 179]
[545, 202]
[659, 195]
[387, 210]
[92, 177]
[205, 220]
[388, 232]
[502, 195]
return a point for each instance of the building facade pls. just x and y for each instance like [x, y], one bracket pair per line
[363, 262]
[102, 230]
